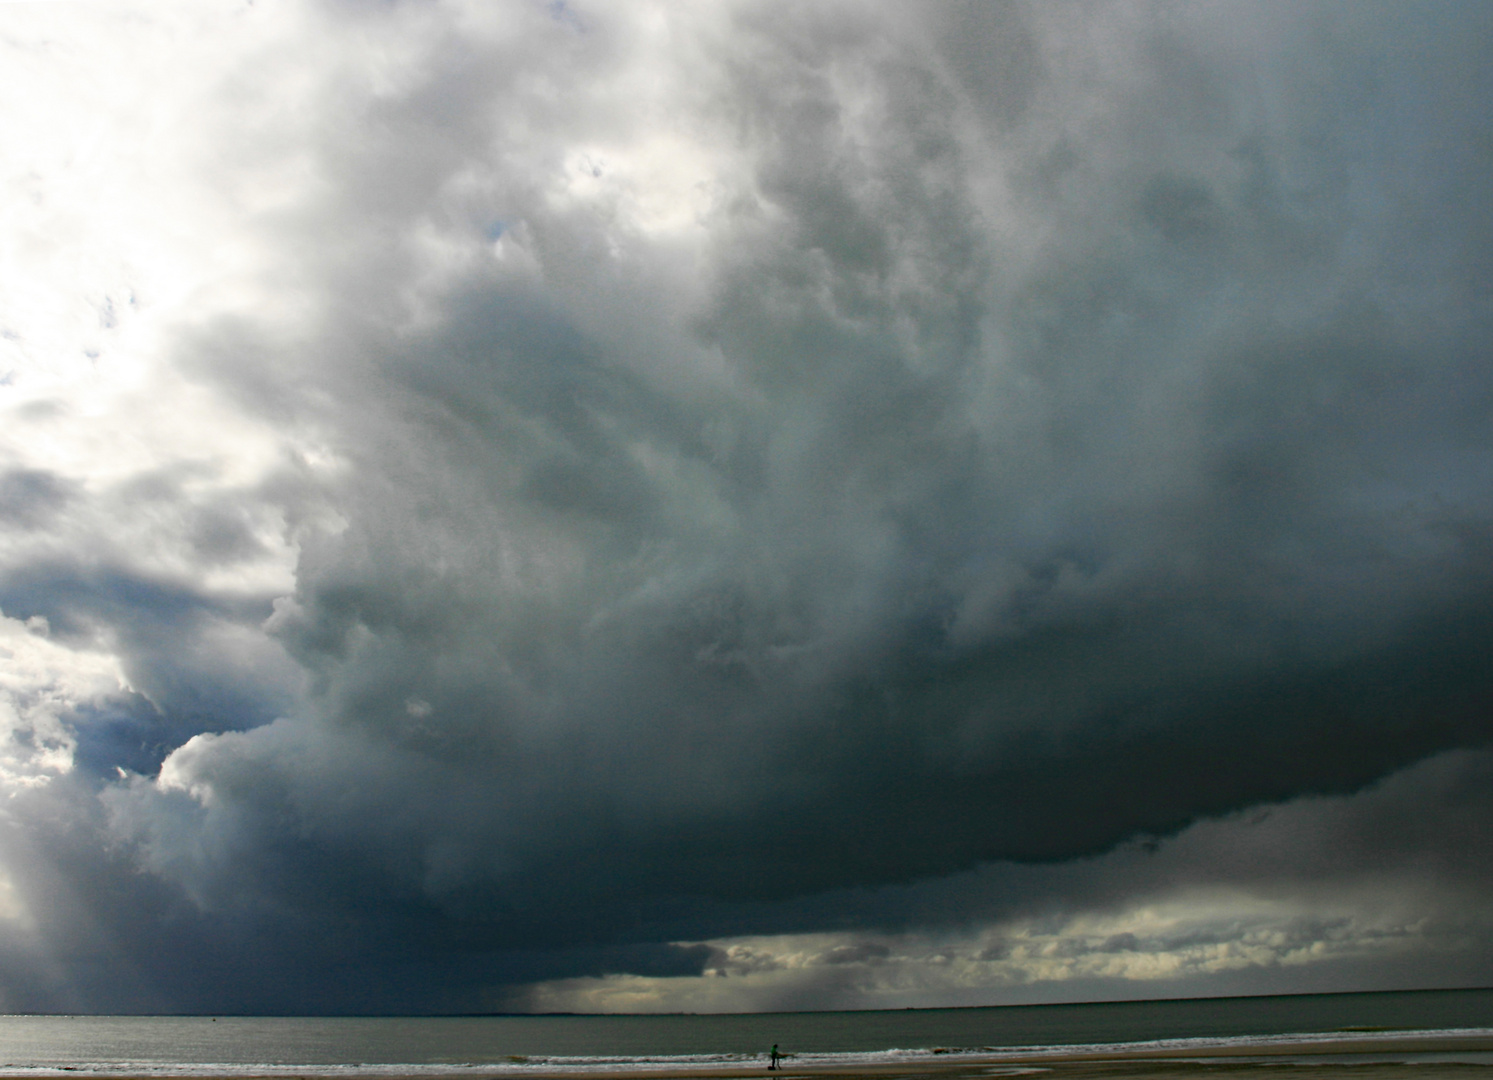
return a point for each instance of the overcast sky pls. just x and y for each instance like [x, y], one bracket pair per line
[510, 505]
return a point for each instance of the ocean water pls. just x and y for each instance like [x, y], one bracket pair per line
[529, 1044]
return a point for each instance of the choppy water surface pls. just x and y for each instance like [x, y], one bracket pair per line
[151, 1044]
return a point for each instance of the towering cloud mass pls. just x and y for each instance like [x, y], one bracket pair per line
[742, 505]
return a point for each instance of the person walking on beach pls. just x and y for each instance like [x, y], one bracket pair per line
[775, 1056]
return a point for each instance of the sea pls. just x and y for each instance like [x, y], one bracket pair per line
[534, 1045]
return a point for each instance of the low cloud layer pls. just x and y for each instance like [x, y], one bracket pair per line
[1323, 894]
[530, 505]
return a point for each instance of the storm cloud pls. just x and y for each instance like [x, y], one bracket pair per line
[583, 505]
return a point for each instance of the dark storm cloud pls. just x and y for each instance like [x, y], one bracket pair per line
[1051, 427]
[1386, 887]
[1420, 833]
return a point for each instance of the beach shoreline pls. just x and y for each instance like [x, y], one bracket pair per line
[1370, 1057]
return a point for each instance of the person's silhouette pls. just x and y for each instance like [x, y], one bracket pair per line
[775, 1056]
